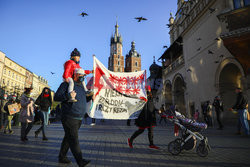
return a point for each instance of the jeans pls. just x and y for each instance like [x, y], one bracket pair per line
[219, 118]
[25, 129]
[70, 140]
[45, 118]
[140, 131]
[242, 121]
[8, 122]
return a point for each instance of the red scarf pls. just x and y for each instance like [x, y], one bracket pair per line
[45, 95]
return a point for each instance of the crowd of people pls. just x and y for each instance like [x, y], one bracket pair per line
[73, 97]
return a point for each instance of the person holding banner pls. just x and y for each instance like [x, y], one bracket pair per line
[8, 115]
[146, 120]
[72, 115]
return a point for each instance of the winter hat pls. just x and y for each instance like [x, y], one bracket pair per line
[75, 52]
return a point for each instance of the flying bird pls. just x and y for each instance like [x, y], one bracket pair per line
[165, 46]
[52, 73]
[210, 52]
[198, 39]
[140, 19]
[216, 62]
[83, 14]
[217, 39]
[221, 56]
[199, 49]
[168, 25]
[187, 15]
[179, 43]
[189, 70]
[212, 10]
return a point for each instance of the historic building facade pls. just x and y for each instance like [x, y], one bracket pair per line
[14, 78]
[116, 59]
[209, 54]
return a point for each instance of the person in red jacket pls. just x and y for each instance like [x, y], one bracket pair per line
[69, 67]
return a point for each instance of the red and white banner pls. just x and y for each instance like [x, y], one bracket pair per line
[117, 95]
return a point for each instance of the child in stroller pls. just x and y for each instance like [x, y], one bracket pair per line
[189, 134]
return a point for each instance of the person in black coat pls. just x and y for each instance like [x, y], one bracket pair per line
[218, 105]
[44, 101]
[146, 120]
[240, 106]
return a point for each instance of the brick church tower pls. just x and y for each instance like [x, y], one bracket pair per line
[133, 60]
[116, 60]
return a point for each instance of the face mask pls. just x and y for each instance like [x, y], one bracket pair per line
[81, 79]
[5, 98]
[13, 98]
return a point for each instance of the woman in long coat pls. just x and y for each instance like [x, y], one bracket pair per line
[146, 120]
[27, 113]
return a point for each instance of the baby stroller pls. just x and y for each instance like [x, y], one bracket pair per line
[189, 136]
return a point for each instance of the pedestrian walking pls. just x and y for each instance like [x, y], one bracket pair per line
[209, 113]
[240, 106]
[163, 115]
[44, 101]
[26, 113]
[3, 112]
[72, 115]
[69, 68]
[218, 105]
[7, 116]
[146, 120]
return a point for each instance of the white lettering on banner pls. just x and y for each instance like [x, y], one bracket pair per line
[117, 95]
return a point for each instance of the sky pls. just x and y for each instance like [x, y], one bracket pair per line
[40, 34]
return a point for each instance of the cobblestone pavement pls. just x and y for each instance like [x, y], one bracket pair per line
[105, 145]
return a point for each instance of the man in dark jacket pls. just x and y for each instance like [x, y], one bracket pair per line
[44, 101]
[240, 106]
[146, 120]
[72, 115]
[2, 111]
[218, 105]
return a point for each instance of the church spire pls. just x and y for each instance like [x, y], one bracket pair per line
[116, 27]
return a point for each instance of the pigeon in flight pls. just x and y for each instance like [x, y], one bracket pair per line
[199, 49]
[217, 39]
[52, 73]
[210, 52]
[165, 46]
[168, 25]
[189, 70]
[212, 10]
[216, 62]
[83, 14]
[198, 39]
[140, 19]
[221, 56]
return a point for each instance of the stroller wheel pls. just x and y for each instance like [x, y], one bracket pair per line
[174, 147]
[202, 150]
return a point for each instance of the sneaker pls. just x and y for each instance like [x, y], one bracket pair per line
[23, 139]
[45, 138]
[36, 134]
[5, 132]
[64, 160]
[154, 147]
[92, 124]
[130, 143]
[84, 163]
[11, 131]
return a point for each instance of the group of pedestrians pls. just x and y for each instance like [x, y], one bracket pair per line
[44, 102]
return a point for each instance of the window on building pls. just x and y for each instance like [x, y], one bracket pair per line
[118, 63]
[136, 63]
[246, 2]
[13, 75]
[118, 69]
[3, 82]
[4, 71]
[118, 56]
[19, 78]
[9, 73]
[8, 83]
